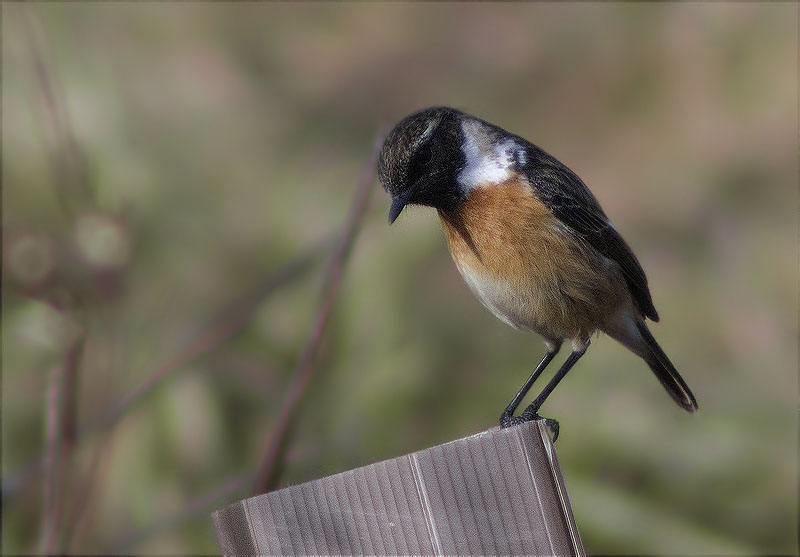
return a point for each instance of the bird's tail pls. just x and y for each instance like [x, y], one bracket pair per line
[664, 370]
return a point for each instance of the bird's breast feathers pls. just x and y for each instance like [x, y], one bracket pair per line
[524, 265]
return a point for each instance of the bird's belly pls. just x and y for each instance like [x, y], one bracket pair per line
[495, 295]
[523, 306]
[498, 297]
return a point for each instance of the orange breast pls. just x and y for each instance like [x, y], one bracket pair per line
[526, 267]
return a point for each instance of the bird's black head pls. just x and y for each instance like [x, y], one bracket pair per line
[421, 158]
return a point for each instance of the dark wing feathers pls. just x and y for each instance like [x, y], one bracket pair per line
[573, 204]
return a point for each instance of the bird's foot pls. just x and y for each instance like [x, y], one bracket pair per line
[507, 420]
[554, 427]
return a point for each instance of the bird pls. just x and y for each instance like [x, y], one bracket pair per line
[529, 239]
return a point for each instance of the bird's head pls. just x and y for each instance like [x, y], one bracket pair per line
[421, 158]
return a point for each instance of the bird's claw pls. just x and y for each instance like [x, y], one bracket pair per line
[554, 427]
[507, 420]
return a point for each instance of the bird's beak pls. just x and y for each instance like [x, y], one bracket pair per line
[397, 207]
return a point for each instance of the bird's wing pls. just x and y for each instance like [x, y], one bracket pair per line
[573, 204]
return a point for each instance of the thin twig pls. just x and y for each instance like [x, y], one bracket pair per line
[51, 498]
[69, 166]
[200, 504]
[231, 321]
[85, 486]
[59, 444]
[272, 462]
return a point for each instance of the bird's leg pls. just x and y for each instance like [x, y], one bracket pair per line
[507, 417]
[532, 411]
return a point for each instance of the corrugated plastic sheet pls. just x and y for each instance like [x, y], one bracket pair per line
[496, 492]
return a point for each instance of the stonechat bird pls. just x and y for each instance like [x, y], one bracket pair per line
[529, 239]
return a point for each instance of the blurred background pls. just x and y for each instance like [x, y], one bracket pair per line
[175, 180]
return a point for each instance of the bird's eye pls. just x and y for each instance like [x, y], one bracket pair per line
[425, 155]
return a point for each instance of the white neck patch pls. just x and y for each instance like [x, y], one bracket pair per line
[488, 162]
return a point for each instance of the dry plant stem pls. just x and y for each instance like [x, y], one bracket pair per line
[83, 489]
[59, 445]
[68, 162]
[273, 459]
[52, 497]
[199, 505]
[230, 321]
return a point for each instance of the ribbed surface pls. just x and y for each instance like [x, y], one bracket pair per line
[497, 492]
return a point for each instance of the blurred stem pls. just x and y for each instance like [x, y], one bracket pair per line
[272, 462]
[60, 439]
[230, 321]
[198, 505]
[81, 495]
[70, 177]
